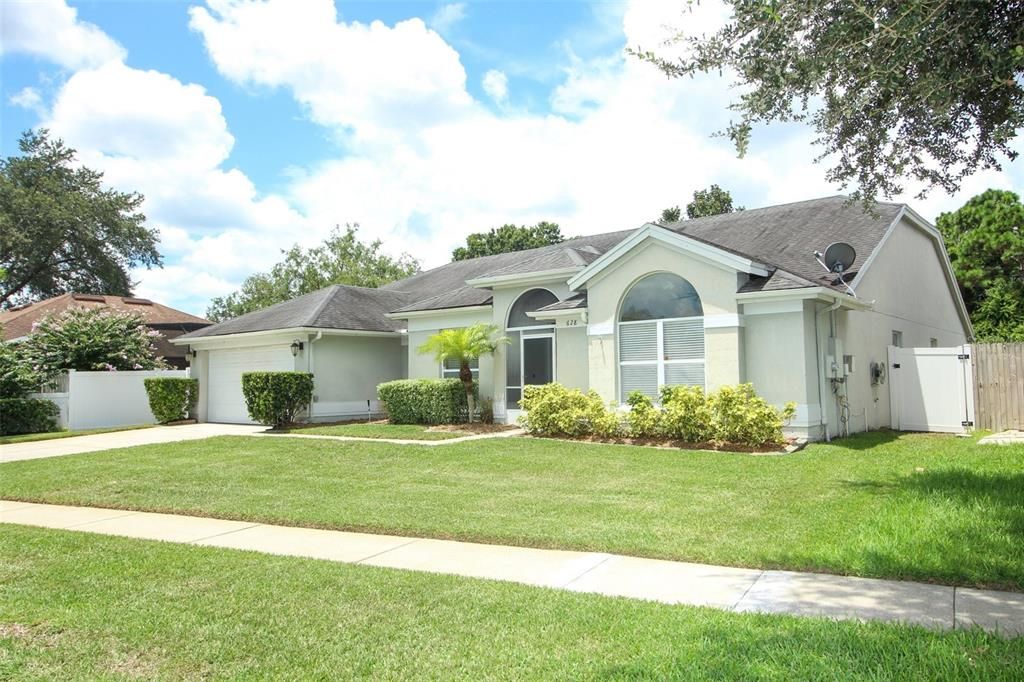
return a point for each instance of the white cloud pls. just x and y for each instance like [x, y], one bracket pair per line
[495, 84]
[425, 163]
[28, 98]
[51, 30]
[149, 132]
[447, 16]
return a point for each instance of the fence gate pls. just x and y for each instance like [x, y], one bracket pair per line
[931, 389]
[999, 377]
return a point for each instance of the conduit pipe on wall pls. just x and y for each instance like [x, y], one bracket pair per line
[822, 414]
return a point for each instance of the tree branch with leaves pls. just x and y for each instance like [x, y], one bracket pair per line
[464, 345]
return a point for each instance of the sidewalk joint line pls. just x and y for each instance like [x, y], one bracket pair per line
[606, 558]
[227, 532]
[747, 591]
[390, 549]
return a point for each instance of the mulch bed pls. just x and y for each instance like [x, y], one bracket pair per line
[718, 446]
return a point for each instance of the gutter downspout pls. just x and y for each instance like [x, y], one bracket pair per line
[822, 414]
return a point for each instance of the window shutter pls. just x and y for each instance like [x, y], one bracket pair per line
[638, 342]
[684, 374]
[684, 340]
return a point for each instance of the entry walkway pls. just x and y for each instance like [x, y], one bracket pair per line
[671, 582]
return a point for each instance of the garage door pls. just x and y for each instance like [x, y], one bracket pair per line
[225, 402]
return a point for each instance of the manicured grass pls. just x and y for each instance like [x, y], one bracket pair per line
[403, 431]
[921, 507]
[50, 435]
[80, 606]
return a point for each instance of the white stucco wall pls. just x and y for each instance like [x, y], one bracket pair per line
[425, 366]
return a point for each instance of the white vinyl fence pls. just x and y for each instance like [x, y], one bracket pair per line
[931, 389]
[94, 400]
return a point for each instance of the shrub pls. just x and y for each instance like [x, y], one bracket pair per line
[27, 415]
[276, 398]
[424, 401]
[487, 411]
[554, 410]
[16, 374]
[172, 399]
[686, 414]
[643, 418]
[739, 415]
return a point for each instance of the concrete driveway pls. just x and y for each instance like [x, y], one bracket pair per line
[75, 445]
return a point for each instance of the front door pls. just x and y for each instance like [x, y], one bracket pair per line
[538, 360]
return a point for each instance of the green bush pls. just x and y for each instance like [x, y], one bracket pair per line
[172, 399]
[643, 418]
[554, 410]
[17, 377]
[276, 398]
[425, 401]
[685, 414]
[739, 415]
[27, 415]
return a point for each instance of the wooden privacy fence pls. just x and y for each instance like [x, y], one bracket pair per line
[998, 385]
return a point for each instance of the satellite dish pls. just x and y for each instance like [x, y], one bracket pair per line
[839, 257]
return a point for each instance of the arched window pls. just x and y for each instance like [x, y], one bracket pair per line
[530, 354]
[661, 336]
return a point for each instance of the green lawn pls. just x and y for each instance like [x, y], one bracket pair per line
[922, 507]
[406, 431]
[50, 435]
[76, 606]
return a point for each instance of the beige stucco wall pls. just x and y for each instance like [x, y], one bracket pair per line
[716, 286]
[571, 357]
[906, 281]
[347, 369]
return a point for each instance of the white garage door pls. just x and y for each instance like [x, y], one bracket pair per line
[225, 402]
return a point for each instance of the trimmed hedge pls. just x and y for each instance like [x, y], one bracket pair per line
[276, 398]
[172, 399]
[425, 401]
[732, 414]
[28, 415]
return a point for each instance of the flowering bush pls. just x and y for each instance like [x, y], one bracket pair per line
[739, 415]
[686, 414]
[643, 418]
[91, 339]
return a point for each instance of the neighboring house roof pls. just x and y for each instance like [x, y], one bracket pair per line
[18, 322]
[334, 307]
[783, 238]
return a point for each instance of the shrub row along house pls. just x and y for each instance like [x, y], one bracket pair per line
[733, 298]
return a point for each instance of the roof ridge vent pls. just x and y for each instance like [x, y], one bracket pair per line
[95, 298]
[132, 300]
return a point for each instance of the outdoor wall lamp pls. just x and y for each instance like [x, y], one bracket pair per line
[297, 346]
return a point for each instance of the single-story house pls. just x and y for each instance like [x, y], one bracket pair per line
[740, 297]
[17, 323]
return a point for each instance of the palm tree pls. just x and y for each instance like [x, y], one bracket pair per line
[464, 344]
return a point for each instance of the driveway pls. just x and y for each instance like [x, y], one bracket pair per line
[75, 445]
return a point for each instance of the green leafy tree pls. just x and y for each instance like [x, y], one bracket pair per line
[340, 259]
[711, 201]
[90, 339]
[706, 202]
[672, 215]
[61, 230]
[927, 89]
[509, 238]
[464, 345]
[985, 240]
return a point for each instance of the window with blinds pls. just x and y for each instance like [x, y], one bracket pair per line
[661, 336]
[450, 368]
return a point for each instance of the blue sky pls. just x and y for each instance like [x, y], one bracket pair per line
[253, 126]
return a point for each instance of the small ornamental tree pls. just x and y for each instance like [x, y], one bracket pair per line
[464, 345]
[16, 375]
[91, 339]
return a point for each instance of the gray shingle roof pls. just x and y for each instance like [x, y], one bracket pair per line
[571, 303]
[783, 237]
[333, 307]
[786, 236]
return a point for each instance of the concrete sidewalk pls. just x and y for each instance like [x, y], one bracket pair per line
[671, 582]
[75, 445]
